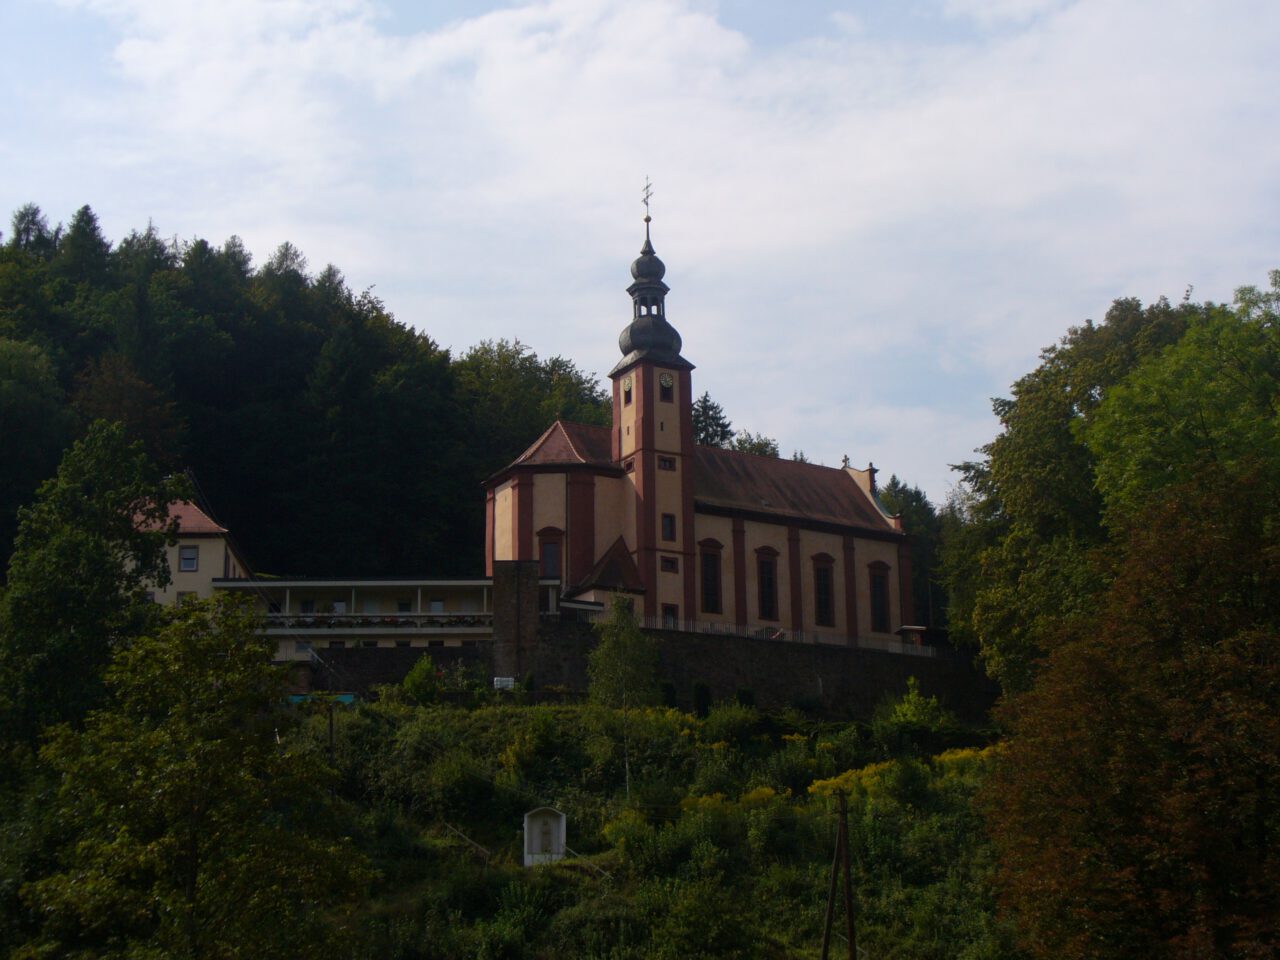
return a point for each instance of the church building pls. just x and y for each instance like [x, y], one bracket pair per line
[704, 539]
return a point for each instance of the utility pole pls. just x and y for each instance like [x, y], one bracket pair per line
[840, 858]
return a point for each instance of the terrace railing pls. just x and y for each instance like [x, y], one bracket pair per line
[378, 623]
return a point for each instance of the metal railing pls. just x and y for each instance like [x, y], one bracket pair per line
[378, 622]
[783, 635]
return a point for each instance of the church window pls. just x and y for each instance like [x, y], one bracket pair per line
[767, 583]
[551, 558]
[670, 616]
[824, 606]
[880, 597]
[550, 551]
[711, 602]
[668, 526]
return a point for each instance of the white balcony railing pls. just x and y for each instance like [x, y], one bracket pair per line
[378, 623]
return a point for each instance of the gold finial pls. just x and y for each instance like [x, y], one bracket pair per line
[648, 193]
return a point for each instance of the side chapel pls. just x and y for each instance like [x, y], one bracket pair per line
[703, 538]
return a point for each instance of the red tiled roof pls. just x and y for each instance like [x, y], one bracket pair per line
[565, 442]
[730, 480]
[616, 570]
[783, 488]
[191, 519]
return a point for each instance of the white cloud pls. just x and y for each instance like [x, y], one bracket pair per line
[851, 218]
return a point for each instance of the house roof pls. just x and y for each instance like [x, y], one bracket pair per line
[616, 570]
[192, 520]
[783, 488]
[564, 442]
[729, 479]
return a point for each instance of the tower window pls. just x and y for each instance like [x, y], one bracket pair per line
[666, 392]
[670, 564]
[666, 463]
[626, 396]
[668, 526]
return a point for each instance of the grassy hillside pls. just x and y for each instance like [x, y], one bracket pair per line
[720, 850]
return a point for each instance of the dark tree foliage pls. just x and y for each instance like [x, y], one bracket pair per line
[710, 426]
[1138, 798]
[331, 438]
[747, 442]
[86, 551]
[34, 420]
[192, 831]
[1031, 505]
[924, 528]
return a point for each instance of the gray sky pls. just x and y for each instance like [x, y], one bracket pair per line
[873, 215]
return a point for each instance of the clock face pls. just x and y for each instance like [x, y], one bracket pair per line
[666, 380]
[626, 383]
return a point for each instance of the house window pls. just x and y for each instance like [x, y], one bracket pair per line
[435, 606]
[189, 558]
[879, 597]
[666, 463]
[711, 602]
[824, 584]
[670, 616]
[339, 606]
[767, 582]
[668, 526]
[151, 596]
[185, 595]
[404, 606]
[669, 564]
[550, 558]
[307, 606]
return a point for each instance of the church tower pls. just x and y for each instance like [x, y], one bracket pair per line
[653, 440]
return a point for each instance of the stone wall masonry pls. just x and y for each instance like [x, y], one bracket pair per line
[837, 681]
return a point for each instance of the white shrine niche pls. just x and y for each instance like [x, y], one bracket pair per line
[544, 836]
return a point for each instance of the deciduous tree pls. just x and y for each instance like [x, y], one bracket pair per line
[87, 550]
[195, 831]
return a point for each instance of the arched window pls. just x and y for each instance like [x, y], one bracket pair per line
[879, 573]
[767, 583]
[709, 553]
[824, 590]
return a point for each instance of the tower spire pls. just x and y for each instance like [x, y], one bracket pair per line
[649, 335]
[647, 196]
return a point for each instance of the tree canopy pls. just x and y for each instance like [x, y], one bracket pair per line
[192, 832]
[306, 411]
[87, 550]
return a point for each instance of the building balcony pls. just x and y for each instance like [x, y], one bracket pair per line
[374, 624]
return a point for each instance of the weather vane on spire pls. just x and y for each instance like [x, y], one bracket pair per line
[648, 193]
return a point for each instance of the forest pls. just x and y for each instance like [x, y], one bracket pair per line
[1112, 556]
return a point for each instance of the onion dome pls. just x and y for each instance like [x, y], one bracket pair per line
[649, 336]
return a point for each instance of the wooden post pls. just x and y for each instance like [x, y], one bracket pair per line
[848, 879]
[841, 858]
